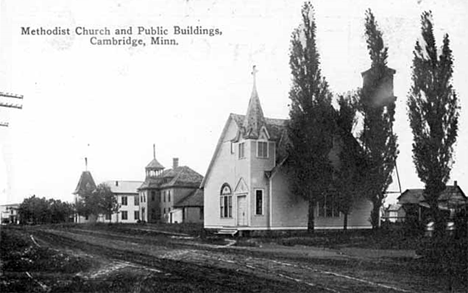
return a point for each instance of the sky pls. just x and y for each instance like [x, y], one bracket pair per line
[112, 103]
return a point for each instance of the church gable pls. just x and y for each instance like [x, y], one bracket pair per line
[264, 135]
[241, 186]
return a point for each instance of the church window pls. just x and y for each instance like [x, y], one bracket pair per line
[153, 194]
[225, 201]
[169, 196]
[328, 207]
[262, 149]
[241, 150]
[259, 202]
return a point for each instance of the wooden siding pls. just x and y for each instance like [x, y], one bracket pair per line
[288, 209]
[224, 170]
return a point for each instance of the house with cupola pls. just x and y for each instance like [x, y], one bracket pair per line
[170, 195]
[246, 187]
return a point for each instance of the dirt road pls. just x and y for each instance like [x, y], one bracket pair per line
[160, 262]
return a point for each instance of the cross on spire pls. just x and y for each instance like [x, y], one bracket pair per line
[254, 73]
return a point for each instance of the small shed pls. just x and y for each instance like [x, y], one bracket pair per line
[416, 206]
[190, 208]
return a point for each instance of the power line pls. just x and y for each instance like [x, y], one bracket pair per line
[10, 105]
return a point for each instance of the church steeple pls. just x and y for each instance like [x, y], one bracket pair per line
[254, 119]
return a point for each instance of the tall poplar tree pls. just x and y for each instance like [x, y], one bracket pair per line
[349, 176]
[377, 105]
[311, 124]
[433, 112]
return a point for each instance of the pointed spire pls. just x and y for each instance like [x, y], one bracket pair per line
[86, 163]
[254, 118]
[154, 151]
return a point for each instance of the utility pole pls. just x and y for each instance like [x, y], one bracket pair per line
[10, 105]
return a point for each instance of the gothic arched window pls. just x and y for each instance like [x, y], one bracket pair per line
[225, 203]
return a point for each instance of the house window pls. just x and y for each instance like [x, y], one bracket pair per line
[108, 216]
[136, 201]
[124, 215]
[164, 211]
[262, 149]
[164, 196]
[152, 195]
[137, 215]
[169, 196]
[328, 207]
[259, 202]
[124, 200]
[241, 150]
[226, 201]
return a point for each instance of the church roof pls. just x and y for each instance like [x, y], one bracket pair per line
[86, 183]
[276, 129]
[274, 126]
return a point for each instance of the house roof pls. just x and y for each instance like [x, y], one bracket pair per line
[121, 186]
[181, 176]
[86, 183]
[154, 164]
[194, 199]
[452, 193]
[393, 207]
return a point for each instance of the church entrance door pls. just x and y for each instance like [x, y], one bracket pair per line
[242, 210]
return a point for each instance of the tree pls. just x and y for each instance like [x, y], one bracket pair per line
[88, 203]
[59, 211]
[107, 200]
[377, 105]
[311, 125]
[349, 176]
[433, 112]
[41, 210]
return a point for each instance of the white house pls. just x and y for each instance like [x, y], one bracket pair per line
[126, 193]
[246, 187]
[9, 213]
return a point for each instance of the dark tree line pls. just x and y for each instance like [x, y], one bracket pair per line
[35, 210]
[367, 159]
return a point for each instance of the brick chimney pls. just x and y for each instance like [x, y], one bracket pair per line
[175, 163]
[116, 183]
[455, 183]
